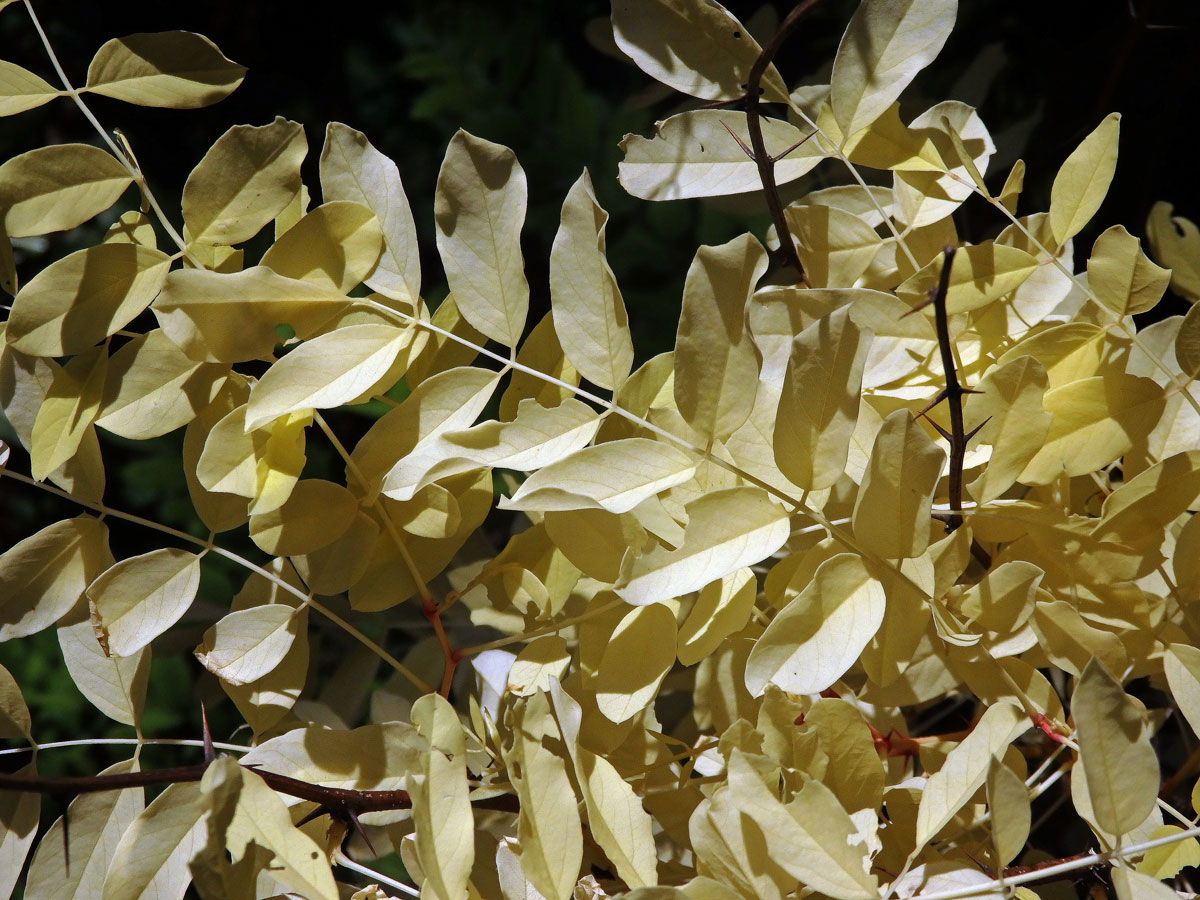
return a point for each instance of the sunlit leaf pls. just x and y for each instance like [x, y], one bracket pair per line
[637, 656]
[247, 644]
[480, 207]
[141, 597]
[980, 274]
[178, 69]
[1121, 276]
[21, 89]
[58, 187]
[151, 860]
[814, 639]
[1082, 183]
[115, 685]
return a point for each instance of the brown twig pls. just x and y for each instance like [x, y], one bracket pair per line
[762, 159]
[451, 657]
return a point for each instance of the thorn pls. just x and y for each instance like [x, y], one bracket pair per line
[940, 430]
[974, 431]
[966, 390]
[740, 142]
[784, 153]
[315, 814]
[941, 395]
[920, 306]
[209, 753]
[358, 829]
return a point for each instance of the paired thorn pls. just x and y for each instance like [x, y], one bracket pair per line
[209, 752]
[346, 816]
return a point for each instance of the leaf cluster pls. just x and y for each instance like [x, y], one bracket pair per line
[689, 629]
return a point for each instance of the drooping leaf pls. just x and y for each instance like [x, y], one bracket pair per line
[19, 813]
[1120, 765]
[884, 47]
[141, 597]
[43, 576]
[726, 530]
[900, 479]
[589, 314]
[722, 608]
[115, 685]
[151, 860]
[1009, 407]
[479, 208]
[695, 47]
[177, 69]
[245, 179]
[1082, 183]
[441, 809]
[818, 406]
[1008, 803]
[817, 637]
[637, 656]
[76, 302]
[66, 415]
[716, 361]
[352, 169]
[966, 768]
[616, 819]
[1187, 344]
[58, 187]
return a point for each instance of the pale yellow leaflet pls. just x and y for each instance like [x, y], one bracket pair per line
[151, 860]
[1175, 241]
[479, 208]
[589, 314]
[1082, 183]
[315, 514]
[247, 644]
[1009, 407]
[616, 819]
[1008, 803]
[722, 608]
[1121, 275]
[66, 415]
[1187, 343]
[981, 273]
[696, 47]
[637, 656]
[21, 89]
[139, 598]
[177, 69]
[334, 246]
[1181, 665]
[245, 179]
[835, 246]
[114, 685]
[58, 187]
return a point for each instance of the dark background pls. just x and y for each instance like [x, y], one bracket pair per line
[525, 74]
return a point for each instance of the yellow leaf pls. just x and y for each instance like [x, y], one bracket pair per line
[152, 388]
[315, 514]
[1082, 183]
[1003, 600]
[440, 353]
[1187, 343]
[19, 814]
[153, 856]
[97, 822]
[540, 353]
[114, 685]
[327, 371]
[352, 169]
[637, 657]
[722, 608]
[1152, 500]
[1134, 885]
[818, 406]
[962, 140]
[857, 777]
[1009, 406]
[14, 714]
[245, 179]
[727, 529]
[980, 274]
[67, 414]
[616, 819]
[1121, 766]
[1181, 665]
[883, 49]
[589, 314]
[58, 187]
[1013, 185]
[43, 576]
[817, 637]
[139, 598]
[548, 826]
[333, 246]
[835, 246]
[616, 476]
[697, 48]
[262, 819]
[176, 69]
[1008, 803]
[196, 309]
[900, 479]
[218, 511]
[1096, 420]
[693, 155]
[247, 644]
[1068, 352]
[1175, 241]
[479, 209]
[82, 298]
[1121, 276]
[1070, 642]
[20, 89]
[541, 661]
[263, 464]
[1166, 861]
[716, 361]
[537, 436]
[966, 767]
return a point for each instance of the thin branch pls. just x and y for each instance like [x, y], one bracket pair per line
[764, 161]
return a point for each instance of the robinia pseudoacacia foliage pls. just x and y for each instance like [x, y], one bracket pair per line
[887, 473]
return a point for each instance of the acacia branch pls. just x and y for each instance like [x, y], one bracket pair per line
[762, 159]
